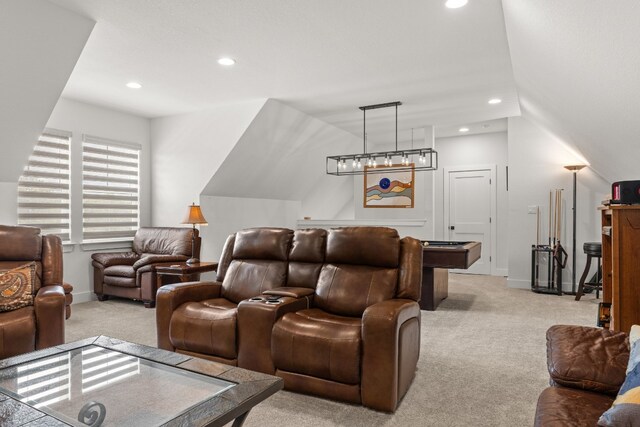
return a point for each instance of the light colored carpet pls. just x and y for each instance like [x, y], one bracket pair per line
[482, 359]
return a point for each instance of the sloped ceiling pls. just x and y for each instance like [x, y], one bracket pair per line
[39, 45]
[322, 57]
[576, 66]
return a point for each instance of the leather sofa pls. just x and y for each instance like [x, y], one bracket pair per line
[132, 274]
[587, 367]
[334, 313]
[39, 325]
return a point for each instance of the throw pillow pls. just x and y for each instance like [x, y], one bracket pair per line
[16, 287]
[626, 408]
[634, 355]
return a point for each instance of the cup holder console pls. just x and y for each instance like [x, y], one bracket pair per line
[267, 300]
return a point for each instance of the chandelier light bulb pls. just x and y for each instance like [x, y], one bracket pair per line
[359, 165]
[354, 163]
[375, 164]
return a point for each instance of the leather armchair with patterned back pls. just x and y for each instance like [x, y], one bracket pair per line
[333, 313]
[39, 324]
[132, 274]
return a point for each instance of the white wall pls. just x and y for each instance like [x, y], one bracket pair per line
[536, 160]
[8, 210]
[40, 43]
[473, 150]
[80, 118]
[187, 150]
[275, 175]
[236, 213]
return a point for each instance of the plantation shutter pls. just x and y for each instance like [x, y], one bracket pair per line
[43, 188]
[110, 189]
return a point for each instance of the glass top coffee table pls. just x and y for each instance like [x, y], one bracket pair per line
[109, 382]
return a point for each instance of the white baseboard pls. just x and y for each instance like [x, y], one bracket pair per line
[518, 283]
[501, 272]
[81, 297]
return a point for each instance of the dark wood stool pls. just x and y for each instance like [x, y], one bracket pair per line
[593, 250]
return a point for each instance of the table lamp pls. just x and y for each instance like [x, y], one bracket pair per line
[194, 216]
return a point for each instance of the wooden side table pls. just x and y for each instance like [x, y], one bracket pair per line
[182, 271]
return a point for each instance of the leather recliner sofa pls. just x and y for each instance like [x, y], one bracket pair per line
[587, 367]
[40, 325]
[334, 313]
[132, 274]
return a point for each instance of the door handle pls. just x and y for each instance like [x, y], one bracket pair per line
[452, 227]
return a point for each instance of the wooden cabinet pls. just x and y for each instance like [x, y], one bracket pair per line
[621, 265]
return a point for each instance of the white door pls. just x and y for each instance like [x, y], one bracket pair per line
[469, 216]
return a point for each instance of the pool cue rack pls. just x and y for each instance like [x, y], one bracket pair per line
[550, 258]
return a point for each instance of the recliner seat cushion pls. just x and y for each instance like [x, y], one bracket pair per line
[120, 271]
[313, 342]
[208, 327]
[123, 282]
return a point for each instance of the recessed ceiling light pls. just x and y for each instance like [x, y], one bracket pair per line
[454, 4]
[494, 101]
[463, 130]
[134, 85]
[226, 61]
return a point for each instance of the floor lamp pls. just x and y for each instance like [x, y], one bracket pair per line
[575, 169]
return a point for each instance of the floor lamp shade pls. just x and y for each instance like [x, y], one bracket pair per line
[194, 217]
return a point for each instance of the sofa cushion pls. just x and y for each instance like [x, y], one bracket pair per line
[371, 246]
[20, 243]
[248, 278]
[263, 244]
[17, 287]
[308, 245]
[208, 327]
[569, 407]
[107, 259]
[347, 290]
[319, 344]
[587, 358]
[17, 332]
[163, 240]
[123, 282]
[120, 271]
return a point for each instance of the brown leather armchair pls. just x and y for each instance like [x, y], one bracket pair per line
[587, 368]
[297, 302]
[132, 274]
[42, 324]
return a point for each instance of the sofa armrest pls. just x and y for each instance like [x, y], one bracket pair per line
[256, 318]
[155, 259]
[587, 358]
[107, 259]
[170, 297]
[390, 351]
[290, 292]
[50, 315]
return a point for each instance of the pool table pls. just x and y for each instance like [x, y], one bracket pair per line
[437, 258]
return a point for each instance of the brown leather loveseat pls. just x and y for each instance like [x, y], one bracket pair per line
[587, 367]
[334, 313]
[39, 325]
[132, 274]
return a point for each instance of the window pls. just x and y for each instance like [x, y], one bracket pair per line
[110, 189]
[43, 188]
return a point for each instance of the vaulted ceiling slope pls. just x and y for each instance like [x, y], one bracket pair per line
[323, 57]
[575, 64]
[39, 46]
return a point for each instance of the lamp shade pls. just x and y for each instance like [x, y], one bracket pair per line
[194, 216]
[574, 168]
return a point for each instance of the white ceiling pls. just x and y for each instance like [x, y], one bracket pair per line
[323, 57]
[576, 64]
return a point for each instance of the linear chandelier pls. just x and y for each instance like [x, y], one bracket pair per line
[389, 161]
